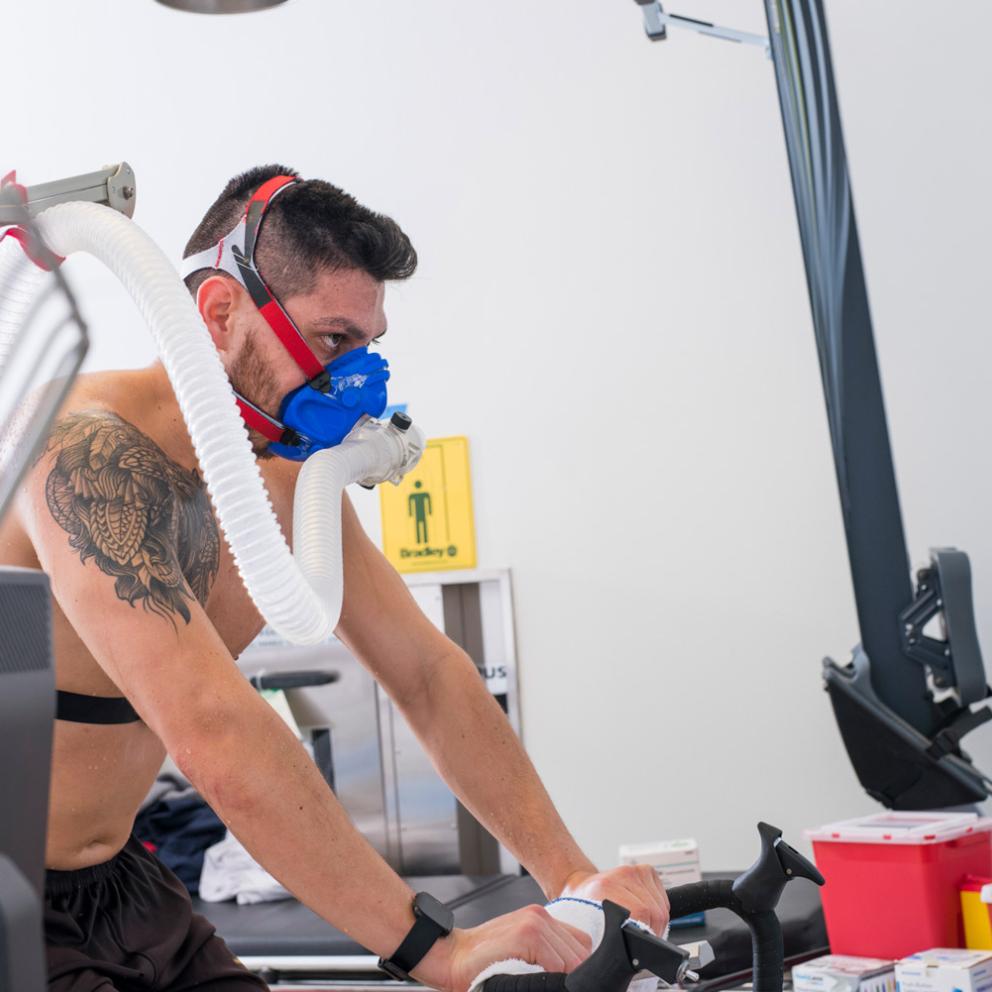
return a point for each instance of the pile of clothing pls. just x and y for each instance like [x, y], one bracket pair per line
[183, 832]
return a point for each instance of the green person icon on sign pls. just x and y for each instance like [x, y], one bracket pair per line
[419, 507]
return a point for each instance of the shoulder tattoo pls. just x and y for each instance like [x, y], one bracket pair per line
[143, 519]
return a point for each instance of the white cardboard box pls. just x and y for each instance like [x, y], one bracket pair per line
[945, 970]
[841, 973]
[676, 861]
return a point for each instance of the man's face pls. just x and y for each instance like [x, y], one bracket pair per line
[343, 311]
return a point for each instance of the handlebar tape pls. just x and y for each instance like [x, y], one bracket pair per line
[766, 931]
[526, 983]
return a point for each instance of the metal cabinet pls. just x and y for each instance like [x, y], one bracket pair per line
[379, 770]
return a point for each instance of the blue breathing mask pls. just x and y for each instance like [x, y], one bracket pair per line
[317, 419]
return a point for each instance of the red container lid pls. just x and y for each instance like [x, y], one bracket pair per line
[902, 828]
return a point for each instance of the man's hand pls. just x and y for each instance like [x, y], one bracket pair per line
[635, 887]
[529, 934]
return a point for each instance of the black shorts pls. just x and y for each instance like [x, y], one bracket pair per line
[128, 926]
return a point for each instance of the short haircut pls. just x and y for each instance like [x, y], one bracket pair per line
[310, 227]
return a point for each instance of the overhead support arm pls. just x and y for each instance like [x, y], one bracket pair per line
[845, 341]
[904, 701]
[114, 186]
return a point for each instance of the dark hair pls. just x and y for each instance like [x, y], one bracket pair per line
[309, 227]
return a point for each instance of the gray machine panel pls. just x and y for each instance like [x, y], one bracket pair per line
[27, 716]
[349, 708]
[28, 702]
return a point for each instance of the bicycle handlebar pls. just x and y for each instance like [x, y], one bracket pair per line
[768, 951]
[548, 982]
[766, 942]
[626, 950]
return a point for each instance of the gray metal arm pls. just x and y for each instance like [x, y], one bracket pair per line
[657, 22]
[114, 186]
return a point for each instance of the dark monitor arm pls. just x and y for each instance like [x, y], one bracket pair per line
[904, 701]
[919, 686]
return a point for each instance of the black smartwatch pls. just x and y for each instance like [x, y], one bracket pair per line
[433, 920]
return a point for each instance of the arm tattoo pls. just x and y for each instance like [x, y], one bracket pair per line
[143, 519]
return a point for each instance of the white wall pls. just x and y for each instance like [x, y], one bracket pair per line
[612, 305]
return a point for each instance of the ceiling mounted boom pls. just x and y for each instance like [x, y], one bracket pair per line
[906, 698]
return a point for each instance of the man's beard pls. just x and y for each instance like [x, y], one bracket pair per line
[249, 376]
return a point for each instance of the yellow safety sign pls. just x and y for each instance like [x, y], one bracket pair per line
[427, 520]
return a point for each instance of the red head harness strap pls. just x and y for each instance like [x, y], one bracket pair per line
[235, 255]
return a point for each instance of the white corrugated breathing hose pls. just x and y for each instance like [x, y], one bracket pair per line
[298, 595]
[19, 283]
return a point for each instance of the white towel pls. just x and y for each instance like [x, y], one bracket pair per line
[230, 872]
[583, 914]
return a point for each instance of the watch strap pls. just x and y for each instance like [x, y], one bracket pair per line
[432, 921]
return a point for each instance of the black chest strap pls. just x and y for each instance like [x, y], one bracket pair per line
[75, 708]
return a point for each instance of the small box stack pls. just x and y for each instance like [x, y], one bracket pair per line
[840, 973]
[945, 970]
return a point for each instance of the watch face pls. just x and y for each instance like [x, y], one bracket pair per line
[427, 906]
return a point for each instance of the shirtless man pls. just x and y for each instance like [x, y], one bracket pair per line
[149, 613]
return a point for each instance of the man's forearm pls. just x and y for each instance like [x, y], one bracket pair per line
[480, 757]
[263, 785]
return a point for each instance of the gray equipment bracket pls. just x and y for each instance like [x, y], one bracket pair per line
[114, 186]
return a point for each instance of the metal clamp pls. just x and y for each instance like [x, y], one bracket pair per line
[114, 186]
